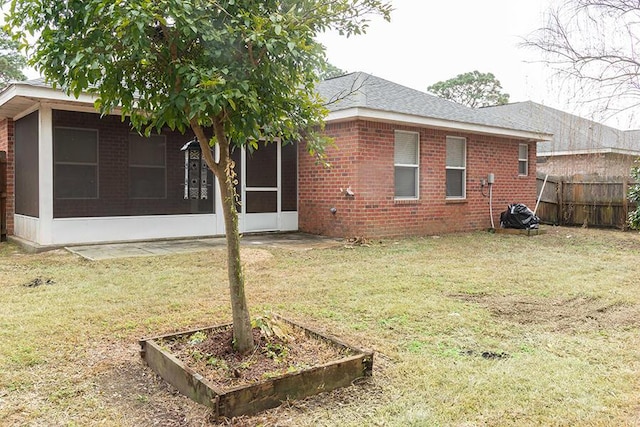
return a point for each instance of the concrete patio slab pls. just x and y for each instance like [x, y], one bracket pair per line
[167, 247]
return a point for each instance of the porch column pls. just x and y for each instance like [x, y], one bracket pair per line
[45, 169]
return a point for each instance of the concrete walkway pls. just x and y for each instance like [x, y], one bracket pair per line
[167, 247]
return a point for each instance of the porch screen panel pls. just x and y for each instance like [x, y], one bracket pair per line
[262, 202]
[289, 194]
[262, 166]
[147, 167]
[27, 177]
[75, 157]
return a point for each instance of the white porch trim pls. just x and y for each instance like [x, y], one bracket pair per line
[127, 228]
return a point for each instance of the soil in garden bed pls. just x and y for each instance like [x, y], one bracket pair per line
[211, 354]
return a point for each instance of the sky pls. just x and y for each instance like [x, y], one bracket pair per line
[429, 41]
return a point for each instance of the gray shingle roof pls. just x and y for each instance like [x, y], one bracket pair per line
[36, 82]
[361, 90]
[571, 133]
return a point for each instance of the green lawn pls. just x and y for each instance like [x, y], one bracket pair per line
[469, 330]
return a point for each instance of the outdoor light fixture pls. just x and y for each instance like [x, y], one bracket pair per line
[195, 171]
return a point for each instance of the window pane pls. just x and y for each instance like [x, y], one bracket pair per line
[75, 182]
[146, 183]
[262, 166]
[146, 151]
[455, 152]
[262, 201]
[455, 183]
[406, 148]
[405, 182]
[75, 145]
[523, 152]
[522, 168]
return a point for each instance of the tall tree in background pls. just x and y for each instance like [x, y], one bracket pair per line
[329, 71]
[594, 45]
[473, 89]
[11, 62]
[244, 69]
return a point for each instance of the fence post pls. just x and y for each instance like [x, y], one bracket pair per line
[560, 189]
[625, 203]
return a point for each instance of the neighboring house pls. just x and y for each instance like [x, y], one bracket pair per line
[404, 163]
[579, 146]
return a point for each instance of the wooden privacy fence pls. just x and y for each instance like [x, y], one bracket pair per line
[3, 196]
[601, 203]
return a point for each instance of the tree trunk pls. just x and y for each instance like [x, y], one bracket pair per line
[225, 173]
[242, 335]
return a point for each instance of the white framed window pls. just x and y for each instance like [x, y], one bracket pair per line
[456, 167]
[147, 167]
[523, 159]
[406, 162]
[75, 163]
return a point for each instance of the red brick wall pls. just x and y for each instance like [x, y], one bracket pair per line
[7, 144]
[362, 159]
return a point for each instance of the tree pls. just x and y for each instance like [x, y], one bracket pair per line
[593, 44]
[242, 70]
[11, 62]
[329, 71]
[473, 89]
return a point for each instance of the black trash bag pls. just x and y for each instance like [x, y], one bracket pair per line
[519, 216]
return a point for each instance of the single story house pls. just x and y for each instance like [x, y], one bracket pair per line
[404, 163]
[579, 146]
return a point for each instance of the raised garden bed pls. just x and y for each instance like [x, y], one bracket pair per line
[262, 393]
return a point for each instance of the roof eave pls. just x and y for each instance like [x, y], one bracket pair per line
[359, 113]
[605, 150]
[21, 98]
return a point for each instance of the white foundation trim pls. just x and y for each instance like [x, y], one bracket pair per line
[127, 228]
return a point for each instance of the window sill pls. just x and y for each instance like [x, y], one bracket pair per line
[406, 201]
[455, 201]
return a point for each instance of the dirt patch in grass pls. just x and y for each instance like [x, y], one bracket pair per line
[252, 256]
[579, 313]
[142, 398]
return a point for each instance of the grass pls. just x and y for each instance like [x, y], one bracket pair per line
[563, 308]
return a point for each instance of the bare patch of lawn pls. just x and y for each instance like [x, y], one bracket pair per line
[573, 314]
[468, 329]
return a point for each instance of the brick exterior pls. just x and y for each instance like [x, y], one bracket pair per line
[7, 143]
[362, 158]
